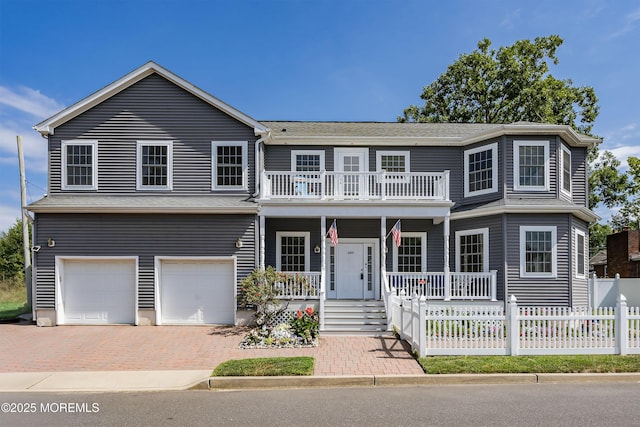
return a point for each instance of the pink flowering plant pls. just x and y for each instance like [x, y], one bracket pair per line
[306, 325]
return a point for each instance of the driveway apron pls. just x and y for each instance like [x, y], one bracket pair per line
[27, 348]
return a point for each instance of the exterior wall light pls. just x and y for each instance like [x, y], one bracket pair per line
[50, 242]
[316, 249]
[238, 243]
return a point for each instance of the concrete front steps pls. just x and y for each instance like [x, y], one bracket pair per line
[355, 317]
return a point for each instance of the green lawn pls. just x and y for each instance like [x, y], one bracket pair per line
[265, 367]
[530, 364]
[13, 300]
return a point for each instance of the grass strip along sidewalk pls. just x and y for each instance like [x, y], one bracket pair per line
[600, 363]
[266, 367]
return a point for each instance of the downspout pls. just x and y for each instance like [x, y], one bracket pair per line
[264, 135]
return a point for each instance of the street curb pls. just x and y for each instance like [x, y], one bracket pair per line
[622, 377]
[242, 383]
[233, 383]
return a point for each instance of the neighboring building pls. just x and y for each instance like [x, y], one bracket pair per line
[162, 198]
[623, 254]
[598, 264]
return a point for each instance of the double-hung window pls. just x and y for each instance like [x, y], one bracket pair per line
[538, 251]
[480, 170]
[292, 250]
[565, 174]
[411, 255]
[155, 165]
[79, 165]
[581, 254]
[472, 247]
[307, 160]
[531, 165]
[229, 164]
[393, 161]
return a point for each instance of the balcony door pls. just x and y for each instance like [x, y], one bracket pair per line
[351, 184]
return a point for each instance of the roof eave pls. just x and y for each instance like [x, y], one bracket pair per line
[580, 212]
[143, 209]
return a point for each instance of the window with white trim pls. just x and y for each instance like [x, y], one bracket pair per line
[155, 165]
[79, 165]
[472, 247]
[393, 161]
[538, 251]
[411, 256]
[480, 170]
[307, 160]
[292, 251]
[565, 174]
[229, 164]
[581, 254]
[531, 165]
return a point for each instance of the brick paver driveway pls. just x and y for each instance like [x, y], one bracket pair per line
[27, 348]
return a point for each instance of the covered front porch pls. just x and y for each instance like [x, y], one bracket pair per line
[366, 264]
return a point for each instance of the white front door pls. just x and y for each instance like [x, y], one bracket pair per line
[352, 161]
[355, 270]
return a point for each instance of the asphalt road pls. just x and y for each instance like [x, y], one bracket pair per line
[455, 405]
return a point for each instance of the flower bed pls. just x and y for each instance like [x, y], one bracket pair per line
[301, 331]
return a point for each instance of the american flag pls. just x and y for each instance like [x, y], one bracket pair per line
[333, 234]
[395, 231]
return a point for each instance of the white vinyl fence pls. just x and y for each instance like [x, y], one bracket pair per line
[459, 330]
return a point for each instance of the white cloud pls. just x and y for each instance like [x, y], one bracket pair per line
[34, 147]
[29, 101]
[631, 22]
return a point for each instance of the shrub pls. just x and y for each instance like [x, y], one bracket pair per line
[260, 290]
[306, 325]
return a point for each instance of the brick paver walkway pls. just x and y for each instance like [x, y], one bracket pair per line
[27, 348]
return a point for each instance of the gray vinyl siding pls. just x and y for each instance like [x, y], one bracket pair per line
[553, 170]
[278, 157]
[579, 175]
[152, 109]
[145, 236]
[579, 285]
[540, 291]
[435, 241]
[496, 239]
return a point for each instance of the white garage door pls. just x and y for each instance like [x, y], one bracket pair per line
[95, 292]
[197, 292]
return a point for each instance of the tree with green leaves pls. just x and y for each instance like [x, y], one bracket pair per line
[506, 85]
[11, 254]
[512, 84]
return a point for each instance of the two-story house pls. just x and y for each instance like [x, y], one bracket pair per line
[162, 198]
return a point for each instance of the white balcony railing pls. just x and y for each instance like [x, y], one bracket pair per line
[355, 185]
[462, 286]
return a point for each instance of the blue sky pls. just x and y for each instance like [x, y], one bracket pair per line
[294, 60]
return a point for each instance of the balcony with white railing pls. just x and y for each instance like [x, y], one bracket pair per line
[355, 185]
[460, 286]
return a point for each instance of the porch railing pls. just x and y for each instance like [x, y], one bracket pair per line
[463, 286]
[300, 285]
[355, 185]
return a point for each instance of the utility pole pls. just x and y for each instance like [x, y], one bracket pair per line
[26, 244]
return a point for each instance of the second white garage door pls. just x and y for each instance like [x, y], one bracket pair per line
[197, 292]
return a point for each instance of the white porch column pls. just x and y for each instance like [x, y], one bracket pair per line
[447, 269]
[323, 268]
[262, 242]
[383, 245]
